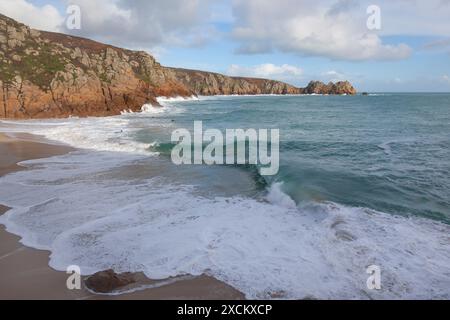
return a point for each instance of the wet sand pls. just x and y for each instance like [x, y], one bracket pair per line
[25, 273]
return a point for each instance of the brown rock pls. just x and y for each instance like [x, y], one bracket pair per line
[341, 87]
[108, 281]
[344, 87]
[16, 58]
[316, 87]
[63, 75]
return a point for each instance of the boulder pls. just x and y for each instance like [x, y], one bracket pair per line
[344, 87]
[108, 281]
[339, 88]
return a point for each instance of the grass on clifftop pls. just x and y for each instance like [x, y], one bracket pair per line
[38, 69]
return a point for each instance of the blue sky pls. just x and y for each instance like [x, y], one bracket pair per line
[289, 40]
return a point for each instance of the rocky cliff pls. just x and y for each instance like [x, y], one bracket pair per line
[341, 87]
[208, 83]
[44, 74]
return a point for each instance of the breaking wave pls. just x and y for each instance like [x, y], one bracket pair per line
[100, 208]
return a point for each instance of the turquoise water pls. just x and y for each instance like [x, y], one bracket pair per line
[363, 180]
[388, 152]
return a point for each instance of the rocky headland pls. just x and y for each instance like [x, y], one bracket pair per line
[46, 75]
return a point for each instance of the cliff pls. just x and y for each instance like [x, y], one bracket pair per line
[208, 83]
[341, 87]
[44, 74]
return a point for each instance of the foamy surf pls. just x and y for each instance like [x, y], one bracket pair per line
[164, 105]
[176, 99]
[103, 207]
[259, 247]
[101, 134]
[168, 101]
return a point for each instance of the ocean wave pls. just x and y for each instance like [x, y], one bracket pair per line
[278, 197]
[149, 109]
[100, 209]
[79, 208]
[221, 96]
[100, 134]
[386, 147]
[169, 100]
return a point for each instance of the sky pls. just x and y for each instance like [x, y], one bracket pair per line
[379, 46]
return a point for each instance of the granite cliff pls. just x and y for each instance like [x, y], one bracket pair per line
[341, 87]
[45, 74]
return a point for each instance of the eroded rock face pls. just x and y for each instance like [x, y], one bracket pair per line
[45, 75]
[208, 83]
[108, 281]
[341, 87]
[344, 87]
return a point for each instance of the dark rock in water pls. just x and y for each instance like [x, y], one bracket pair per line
[108, 281]
[365, 94]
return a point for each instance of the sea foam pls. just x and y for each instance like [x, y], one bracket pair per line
[91, 209]
[85, 209]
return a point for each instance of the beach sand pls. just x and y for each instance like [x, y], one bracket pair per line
[25, 273]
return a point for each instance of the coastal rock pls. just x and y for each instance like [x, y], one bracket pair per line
[108, 281]
[339, 88]
[45, 75]
[208, 83]
[344, 87]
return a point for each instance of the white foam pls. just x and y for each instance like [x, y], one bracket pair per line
[231, 96]
[87, 209]
[101, 134]
[386, 147]
[89, 212]
[125, 111]
[149, 108]
[277, 196]
[165, 100]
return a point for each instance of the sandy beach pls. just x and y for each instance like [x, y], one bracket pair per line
[25, 273]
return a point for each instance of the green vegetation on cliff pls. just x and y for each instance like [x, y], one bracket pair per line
[44, 74]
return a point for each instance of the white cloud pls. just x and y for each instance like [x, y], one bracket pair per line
[267, 70]
[136, 24]
[146, 23]
[334, 76]
[415, 17]
[438, 45]
[44, 17]
[334, 29]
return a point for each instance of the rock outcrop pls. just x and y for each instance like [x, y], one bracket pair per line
[208, 83]
[45, 74]
[341, 87]
[108, 281]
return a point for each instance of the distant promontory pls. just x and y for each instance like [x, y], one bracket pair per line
[45, 75]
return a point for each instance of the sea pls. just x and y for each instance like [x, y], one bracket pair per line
[363, 181]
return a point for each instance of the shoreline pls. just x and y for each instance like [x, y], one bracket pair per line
[160, 100]
[27, 275]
